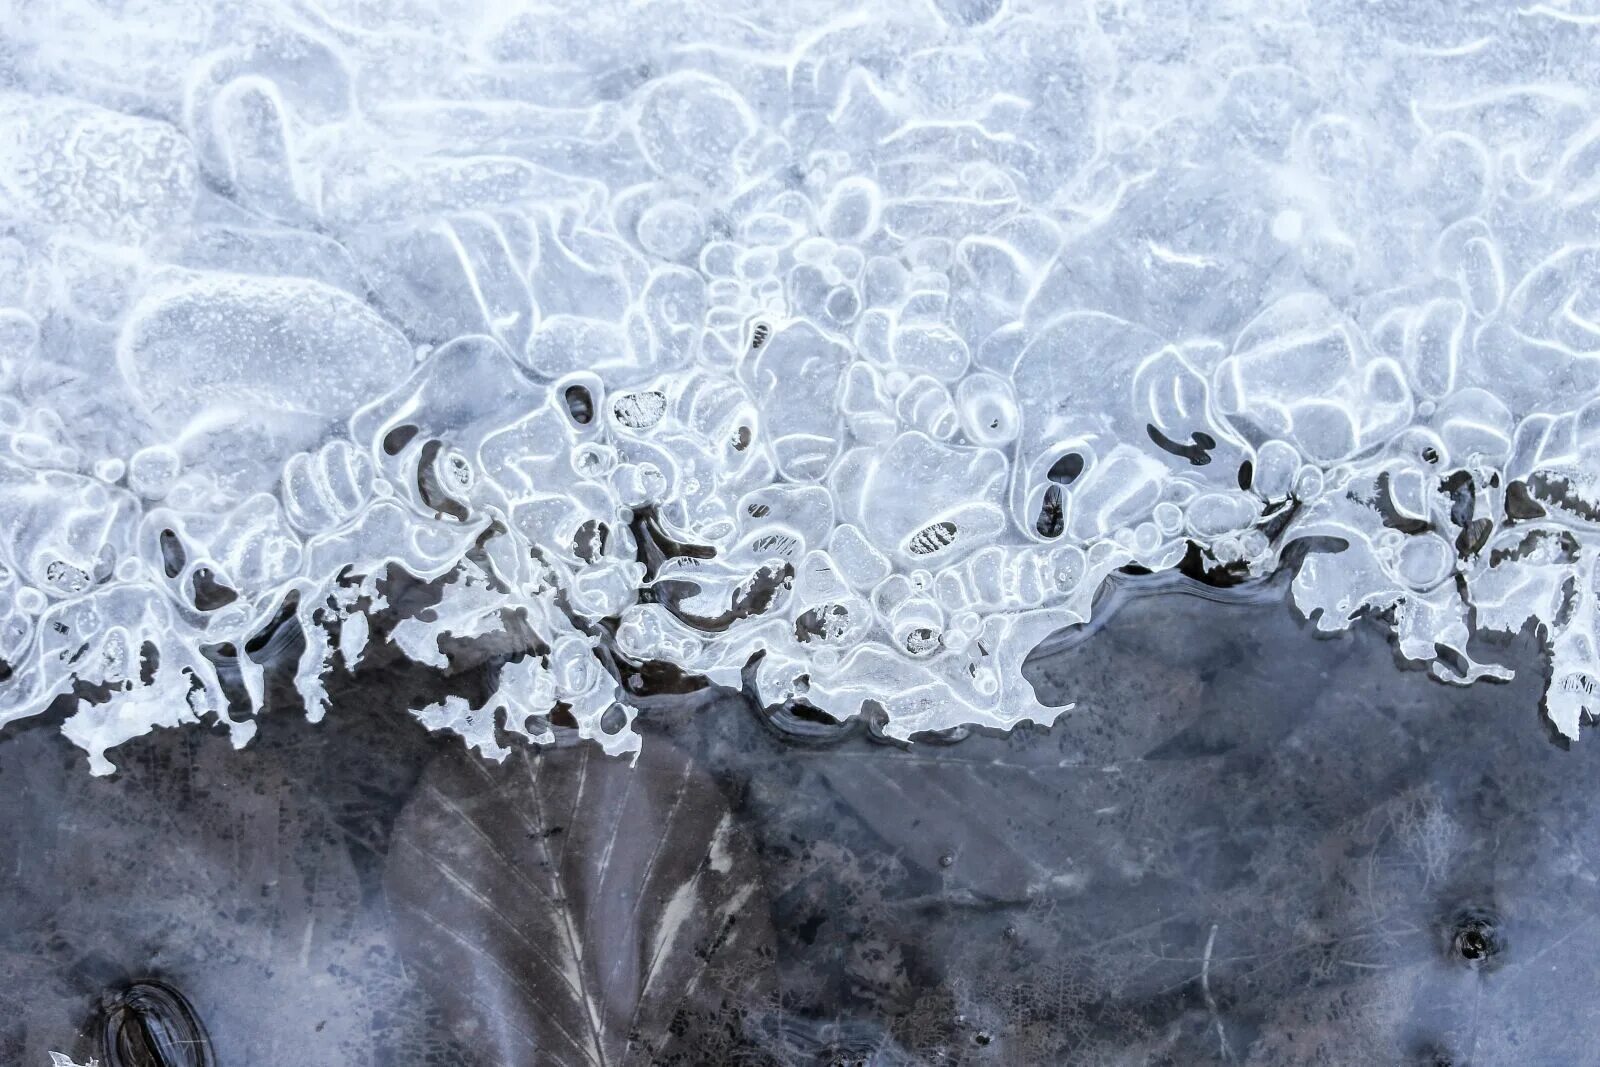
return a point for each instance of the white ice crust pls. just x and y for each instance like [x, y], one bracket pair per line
[851, 347]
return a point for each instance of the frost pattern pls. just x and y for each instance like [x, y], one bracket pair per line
[842, 354]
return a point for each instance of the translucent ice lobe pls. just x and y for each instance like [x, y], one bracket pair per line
[838, 354]
[217, 350]
[85, 169]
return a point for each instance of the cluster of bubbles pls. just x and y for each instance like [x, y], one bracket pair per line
[839, 353]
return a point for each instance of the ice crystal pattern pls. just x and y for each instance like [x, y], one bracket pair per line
[843, 351]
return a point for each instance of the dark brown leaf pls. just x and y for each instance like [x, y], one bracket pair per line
[570, 908]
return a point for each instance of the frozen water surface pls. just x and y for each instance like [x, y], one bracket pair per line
[844, 356]
[1248, 845]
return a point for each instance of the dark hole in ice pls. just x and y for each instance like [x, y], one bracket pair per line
[759, 335]
[754, 596]
[589, 544]
[1296, 552]
[1050, 522]
[1065, 470]
[1520, 503]
[1247, 475]
[1203, 567]
[1475, 938]
[778, 544]
[932, 538]
[1473, 945]
[172, 554]
[1393, 517]
[825, 623]
[922, 641]
[438, 479]
[1568, 605]
[1463, 496]
[455, 471]
[1430, 455]
[151, 1024]
[280, 631]
[656, 545]
[1558, 546]
[741, 438]
[1552, 490]
[758, 594]
[1463, 493]
[794, 720]
[65, 576]
[640, 411]
[395, 441]
[1279, 515]
[1198, 453]
[580, 404]
[210, 594]
[651, 677]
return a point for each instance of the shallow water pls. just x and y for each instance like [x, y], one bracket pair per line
[1248, 844]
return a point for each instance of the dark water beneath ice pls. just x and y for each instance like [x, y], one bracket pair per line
[1247, 844]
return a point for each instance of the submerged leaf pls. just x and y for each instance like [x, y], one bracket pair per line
[565, 907]
[151, 1024]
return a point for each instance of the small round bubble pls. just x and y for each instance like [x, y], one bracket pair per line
[151, 471]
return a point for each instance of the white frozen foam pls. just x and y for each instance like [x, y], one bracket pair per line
[839, 351]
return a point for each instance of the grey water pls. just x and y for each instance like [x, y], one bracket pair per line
[1247, 844]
